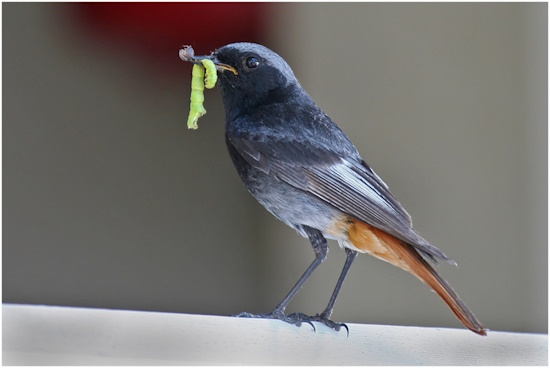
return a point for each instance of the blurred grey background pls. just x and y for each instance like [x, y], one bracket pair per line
[109, 201]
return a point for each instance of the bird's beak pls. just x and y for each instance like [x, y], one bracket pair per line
[186, 54]
[222, 66]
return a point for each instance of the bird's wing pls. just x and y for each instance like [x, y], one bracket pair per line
[347, 183]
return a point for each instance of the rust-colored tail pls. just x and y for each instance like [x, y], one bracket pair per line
[388, 248]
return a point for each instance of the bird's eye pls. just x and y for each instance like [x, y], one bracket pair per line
[252, 62]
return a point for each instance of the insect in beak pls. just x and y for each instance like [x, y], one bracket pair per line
[188, 54]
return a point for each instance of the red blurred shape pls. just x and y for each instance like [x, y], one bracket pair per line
[162, 28]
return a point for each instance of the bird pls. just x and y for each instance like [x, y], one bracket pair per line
[298, 164]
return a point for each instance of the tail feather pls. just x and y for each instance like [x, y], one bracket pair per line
[426, 273]
[388, 248]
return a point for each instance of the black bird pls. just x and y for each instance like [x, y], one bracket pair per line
[304, 170]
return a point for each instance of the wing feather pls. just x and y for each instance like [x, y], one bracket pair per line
[346, 183]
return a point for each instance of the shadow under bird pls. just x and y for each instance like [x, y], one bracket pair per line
[304, 170]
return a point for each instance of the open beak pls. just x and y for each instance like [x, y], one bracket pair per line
[187, 54]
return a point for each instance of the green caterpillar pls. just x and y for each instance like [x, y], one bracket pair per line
[198, 82]
[211, 73]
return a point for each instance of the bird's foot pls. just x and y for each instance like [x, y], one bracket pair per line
[297, 319]
[294, 318]
[336, 326]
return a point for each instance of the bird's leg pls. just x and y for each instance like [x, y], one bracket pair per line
[320, 247]
[325, 316]
[351, 254]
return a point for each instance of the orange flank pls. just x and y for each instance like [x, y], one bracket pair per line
[390, 249]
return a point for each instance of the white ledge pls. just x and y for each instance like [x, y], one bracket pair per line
[43, 335]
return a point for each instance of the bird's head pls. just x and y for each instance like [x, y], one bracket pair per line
[251, 75]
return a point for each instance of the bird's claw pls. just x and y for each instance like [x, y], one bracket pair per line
[336, 326]
[293, 319]
[297, 319]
